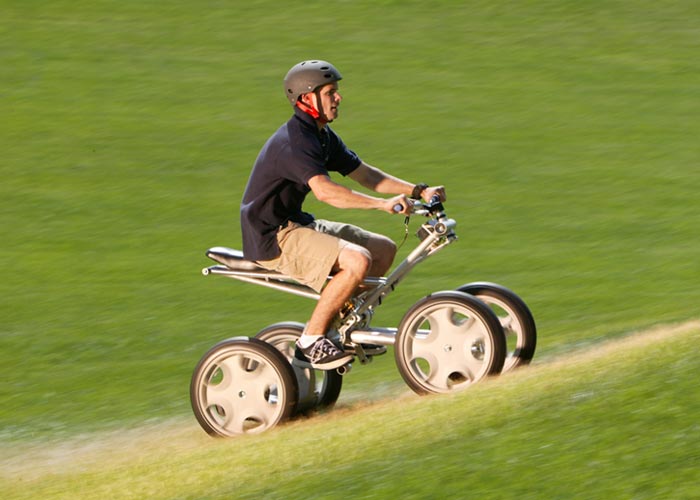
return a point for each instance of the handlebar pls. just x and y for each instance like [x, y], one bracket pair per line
[419, 208]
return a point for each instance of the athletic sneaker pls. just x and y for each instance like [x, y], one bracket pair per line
[322, 355]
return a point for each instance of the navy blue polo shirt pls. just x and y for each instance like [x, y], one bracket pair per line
[278, 183]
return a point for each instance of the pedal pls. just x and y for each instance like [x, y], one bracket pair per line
[361, 355]
[344, 370]
[367, 349]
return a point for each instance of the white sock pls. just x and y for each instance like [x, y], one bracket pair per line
[306, 340]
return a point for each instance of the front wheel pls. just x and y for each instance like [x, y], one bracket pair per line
[240, 386]
[318, 389]
[448, 341]
[515, 317]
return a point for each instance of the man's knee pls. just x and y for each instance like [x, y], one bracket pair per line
[355, 259]
[388, 249]
[383, 250]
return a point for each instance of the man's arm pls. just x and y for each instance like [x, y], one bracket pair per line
[340, 196]
[381, 182]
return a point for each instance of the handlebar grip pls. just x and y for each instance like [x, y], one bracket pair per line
[398, 208]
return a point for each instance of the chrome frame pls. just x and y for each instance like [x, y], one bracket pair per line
[354, 323]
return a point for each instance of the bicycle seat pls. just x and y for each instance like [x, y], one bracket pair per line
[233, 259]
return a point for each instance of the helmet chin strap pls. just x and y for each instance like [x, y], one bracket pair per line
[312, 111]
[309, 110]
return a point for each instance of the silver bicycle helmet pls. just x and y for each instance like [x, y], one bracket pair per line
[307, 76]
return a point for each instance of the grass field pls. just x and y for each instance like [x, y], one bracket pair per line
[565, 132]
[583, 426]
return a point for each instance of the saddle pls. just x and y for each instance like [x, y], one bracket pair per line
[234, 260]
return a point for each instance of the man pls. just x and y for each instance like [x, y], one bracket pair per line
[279, 236]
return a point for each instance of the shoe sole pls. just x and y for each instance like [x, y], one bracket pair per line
[332, 365]
[374, 351]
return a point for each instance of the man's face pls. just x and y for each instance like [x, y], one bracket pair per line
[330, 100]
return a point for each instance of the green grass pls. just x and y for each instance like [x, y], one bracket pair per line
[608, 422]
[565, 133]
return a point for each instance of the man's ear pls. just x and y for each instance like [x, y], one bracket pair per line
[307, 99]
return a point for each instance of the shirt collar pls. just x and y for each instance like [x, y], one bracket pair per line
[308, 120]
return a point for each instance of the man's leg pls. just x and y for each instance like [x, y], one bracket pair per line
[352, 265]
[310, 255]
[383, 251]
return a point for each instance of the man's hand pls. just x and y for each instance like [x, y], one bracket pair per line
[402, 201]
[438, 191]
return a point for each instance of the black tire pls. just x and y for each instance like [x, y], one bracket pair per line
[515, 318]
[448, 341]
[240, 386]
[318, 389]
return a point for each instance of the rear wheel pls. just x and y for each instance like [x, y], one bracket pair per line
[448, 341]
[515, 318]
[318, 389]
[240, 386]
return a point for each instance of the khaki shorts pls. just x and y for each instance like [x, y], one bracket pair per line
[309, 253]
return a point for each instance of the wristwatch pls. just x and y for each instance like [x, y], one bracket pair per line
[417, 190]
